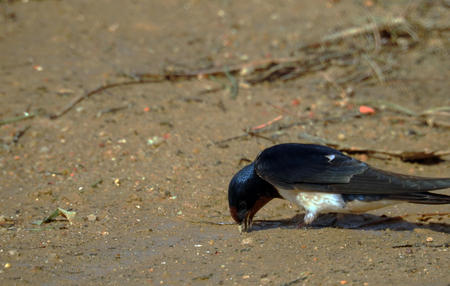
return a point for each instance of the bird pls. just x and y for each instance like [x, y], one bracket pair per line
[320, 179]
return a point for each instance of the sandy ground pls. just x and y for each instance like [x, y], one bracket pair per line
[140, 164]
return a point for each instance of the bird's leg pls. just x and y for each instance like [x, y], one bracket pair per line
[307, 219]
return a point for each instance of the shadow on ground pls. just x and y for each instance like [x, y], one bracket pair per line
[353, 221]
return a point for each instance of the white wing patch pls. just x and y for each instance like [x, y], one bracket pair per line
[330, 157]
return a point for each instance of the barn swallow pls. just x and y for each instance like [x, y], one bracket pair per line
[320, 179]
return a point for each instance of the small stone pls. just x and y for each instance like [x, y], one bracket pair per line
[44, 149]
[429, 239]
[155, 141]
[92, 217]
[247, 240]
[12, 252]
[341, 136]
[7, 265]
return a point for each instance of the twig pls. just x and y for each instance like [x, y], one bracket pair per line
[270, 122]
[295, 281]
[20, 133]
[102, 88]
[111, 110]
[403, 155]
[422, 117]
[234, 84]
[144, 78]
[446, 245]
[295, 67]
[376, 36]
[261, 136]
[25, 116]
[285, 126]
[221, 143]
[356, 31]
[216, 70]
[442, 110]
[376, 68]
[393, 106]
[433, 122]
[210, 222]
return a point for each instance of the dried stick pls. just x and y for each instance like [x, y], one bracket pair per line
[20, 133]
[270, 122]
[356, 31]
[102, 88]
[403, 155]
[25, 116]
[271, 127]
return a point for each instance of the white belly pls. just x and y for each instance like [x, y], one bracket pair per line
[314, 202]
[323, 202]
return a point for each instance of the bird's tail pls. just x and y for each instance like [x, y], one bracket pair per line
[421, 198]
[409, 183]
[418, 189]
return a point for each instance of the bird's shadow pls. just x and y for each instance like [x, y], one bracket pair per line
[356, 221]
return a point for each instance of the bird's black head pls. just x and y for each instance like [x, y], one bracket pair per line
[248, 193]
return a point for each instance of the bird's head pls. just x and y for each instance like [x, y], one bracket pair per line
[247, 194]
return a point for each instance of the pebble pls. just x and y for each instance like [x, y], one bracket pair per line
[247, 240]
[92, 217]
[44, 149]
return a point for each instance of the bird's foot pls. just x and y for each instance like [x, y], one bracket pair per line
[307, 220]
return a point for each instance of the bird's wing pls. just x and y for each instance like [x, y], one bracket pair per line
[321, 169]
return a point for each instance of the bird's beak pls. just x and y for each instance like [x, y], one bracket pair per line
[246, 224]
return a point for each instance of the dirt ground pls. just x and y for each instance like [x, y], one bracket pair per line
[146, 167]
